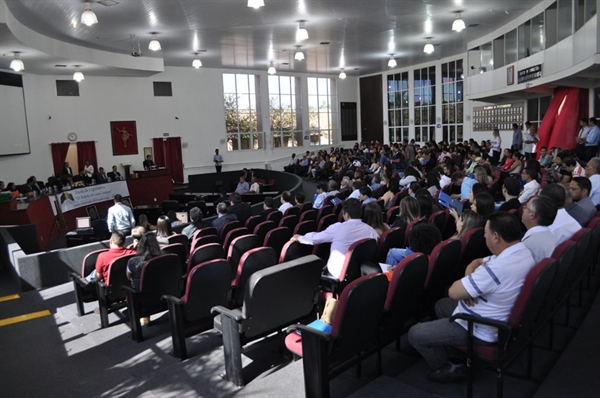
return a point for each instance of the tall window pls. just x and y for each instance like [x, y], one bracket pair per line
[322, 110]
[452, 101]
[398, 106]
[536, 108]
[284, 112]
[242, 111]
[424, 91]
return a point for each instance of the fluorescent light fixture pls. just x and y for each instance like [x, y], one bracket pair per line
[458, 23]
[299, 56]
[16, 64]
[392, 62]
[342, 74]
[301, 33]
[154, 43]
[256, 3]
[428, 47]
[196, 63]
[78, 76]
[271, 70]
[88, 17]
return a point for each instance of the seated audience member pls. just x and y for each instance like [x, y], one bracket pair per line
[12, 188]
[319, 197]
[341, 236]
[291, 167]
[483, 204]
[116, 250]
[242, 186]
[241, 209]
[254, 188]
[388, 196]
[479, 175]
[300, 198]
[136, 233]
[268, 207]
[332, 188]
[593, 172]
[422, 238]
[538, 214]
[163, 230]
[531, 187]
[432, 183]
[425, 203]
[222, 217]
[114, 175]
[286, 199]
[172, 214]
[454, 188]
[564, 226]
[410, 175]
[365, 195]
[345, 184]
[408, 211]
[147, 249]
[223, 197]
[510, 190]
[465, 222]
[356, 185]
[545, 158]
[573, 167]
[374, 217]
[195, 224]
[582, 209]
[101, 176]
[499, 281]
[143, 221]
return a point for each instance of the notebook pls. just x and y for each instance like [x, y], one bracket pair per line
[83, 224]
[448, 202]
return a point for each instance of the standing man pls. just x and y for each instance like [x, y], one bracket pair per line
[148, 163]
[531, 140]
[592, 140]
[341, 236]
[581, 136]
[120, 217]
[489, 289]
[218, 159]
[517, 138]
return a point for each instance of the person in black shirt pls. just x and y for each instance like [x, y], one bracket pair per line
[510, 189]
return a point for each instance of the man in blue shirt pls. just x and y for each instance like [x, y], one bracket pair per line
[242, 186]
[517, 140]
[591, 141]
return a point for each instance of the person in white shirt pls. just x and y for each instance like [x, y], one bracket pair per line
[564, 226]
[341, 236]
[582, 137]
[120, 217]
[320, 196]
[538, 214]
[489, 289]
[530, 140]
[592, 170]
[286, 199]
[254, 188]
[218, 159]
[531, 185]
[545, 158]
[88, 169]
[496, 149]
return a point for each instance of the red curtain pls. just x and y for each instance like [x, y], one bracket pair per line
[173, 158]
[560, 124]
[86, 150]
[158, 145]
[59, 155]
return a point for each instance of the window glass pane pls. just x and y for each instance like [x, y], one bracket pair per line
[532, 109]
[524, 32]
[405, 99]
[398, 117]
[565, 10]
[487, 61]
[510, 47]
[537, 33]
[459, 69]
[459, 91]
[405, 117]
[417, 133]
[551, 25]
[544, 103]
[390, 83]
[405, 81]
[228, 83]
[445, 73]
[579, 13]
[459, 113]
[418, 116]
[590, 9]
[445, 114]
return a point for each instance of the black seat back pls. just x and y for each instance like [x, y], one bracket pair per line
[264, 227]
[176, 248]
[277, 238]
[228, 227]
[160, 276]
[207, 286]
[326, 221]
[89, 262]
[210, 251]
[204, 240]
[308, 215]
[234, 233]
[293, 250]
[355, 327]
[279, 295]
[392, 238]
[238, 247]
[116, 277]
[292, 211]
[305, 227]
[204, 232]
[253, 221]
[274, 216]
[473, 246]
[442, 266]
[289, 221]
[251, 262]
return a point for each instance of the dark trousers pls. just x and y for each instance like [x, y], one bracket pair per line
[590, 152]
[218, 168]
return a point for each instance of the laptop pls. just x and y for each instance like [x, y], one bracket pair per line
[448, 202]
[83, 225]
[182, 217]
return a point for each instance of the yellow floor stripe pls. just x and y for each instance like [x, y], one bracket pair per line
[11, 297]
[22, 318]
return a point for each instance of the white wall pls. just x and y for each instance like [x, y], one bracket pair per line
[197, 101]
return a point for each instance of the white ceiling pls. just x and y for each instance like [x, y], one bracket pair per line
[360, 33]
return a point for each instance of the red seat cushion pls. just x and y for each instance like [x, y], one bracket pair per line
[293, 342]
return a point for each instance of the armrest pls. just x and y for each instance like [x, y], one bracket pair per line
[482, 321]
[128, 289]
[74, 275]
[172, 299]
[306, 329]
[331, 279]
[81, 281]
[236, 314]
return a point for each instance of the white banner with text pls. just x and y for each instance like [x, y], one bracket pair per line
[81, 197]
